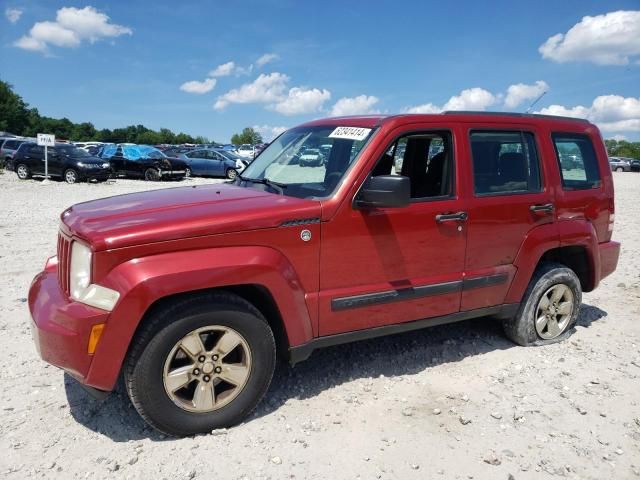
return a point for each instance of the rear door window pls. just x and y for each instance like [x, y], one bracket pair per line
[577, 161]
[504, 162]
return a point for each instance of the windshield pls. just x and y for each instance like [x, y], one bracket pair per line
[73, 152]
[289, 161]
[230, 155]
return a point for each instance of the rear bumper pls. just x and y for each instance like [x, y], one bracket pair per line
[60, 327]
[609, 254]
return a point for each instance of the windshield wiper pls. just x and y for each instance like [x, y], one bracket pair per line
[278, 187]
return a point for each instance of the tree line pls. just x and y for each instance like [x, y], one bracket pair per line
[18, 118]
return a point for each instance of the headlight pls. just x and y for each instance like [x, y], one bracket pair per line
[81, 164]
[106, 165]
[80, 286]
[80, 271]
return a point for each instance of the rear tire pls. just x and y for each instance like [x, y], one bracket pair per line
[542, 318]
[232, 173]
[23, 172]
[619, 169]
[188, 173]
[152, 175]
[158, 355]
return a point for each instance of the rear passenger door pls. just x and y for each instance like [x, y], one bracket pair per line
[507, 197]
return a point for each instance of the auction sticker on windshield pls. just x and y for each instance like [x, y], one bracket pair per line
[350, 133]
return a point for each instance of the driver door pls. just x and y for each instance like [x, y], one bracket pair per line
[383, 266]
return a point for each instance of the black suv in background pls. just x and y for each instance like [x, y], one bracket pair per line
[70, 163]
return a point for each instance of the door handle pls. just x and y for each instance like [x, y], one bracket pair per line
[452, 217]
[546, 208]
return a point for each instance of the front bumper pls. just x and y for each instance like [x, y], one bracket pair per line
[172, 173]
[61, 327]
[95, 173]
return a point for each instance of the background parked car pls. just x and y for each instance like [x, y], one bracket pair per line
[8, 147]
[311, 157]
[619, 164]
[176, 151]
[65, 161]
[246, 151]
[143, 161]
[216, 163]
[635, 165]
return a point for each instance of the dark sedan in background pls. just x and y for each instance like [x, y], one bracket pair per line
[65, 161]
[143, 161]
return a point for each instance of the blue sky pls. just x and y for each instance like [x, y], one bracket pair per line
[120, 63]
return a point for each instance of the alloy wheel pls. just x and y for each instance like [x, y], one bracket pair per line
[554, 311]
[70, 176]
[207, 369]
[22, 172]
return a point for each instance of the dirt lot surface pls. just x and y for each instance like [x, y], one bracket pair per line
[452, 402]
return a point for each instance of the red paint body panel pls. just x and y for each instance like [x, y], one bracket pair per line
[61, 328]
[180, 213]
[154, 244]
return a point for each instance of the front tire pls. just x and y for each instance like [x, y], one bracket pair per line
[71, 176]
[188, 173]
[200, 364]
[549, 309]
[619, 169]
[23, 172]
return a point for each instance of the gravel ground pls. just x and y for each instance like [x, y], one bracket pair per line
[454, 402]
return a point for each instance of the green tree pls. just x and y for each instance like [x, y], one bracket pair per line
[14, 116]
[248, 135]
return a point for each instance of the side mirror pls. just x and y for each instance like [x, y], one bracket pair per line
[385, 191]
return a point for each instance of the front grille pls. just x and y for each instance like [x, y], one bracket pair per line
[64, 259]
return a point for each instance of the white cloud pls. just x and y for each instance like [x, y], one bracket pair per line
[521, 92]
[71, 28]
[619, 138]
[612, 113]
[269, 132]
[424, 108]
[223, 70]
[267, 88]
[230, 68]
[266, 58]
[360, 105]
[470, 99]
[195, 86]
[301, 100]
[609, 39]
[13, 14]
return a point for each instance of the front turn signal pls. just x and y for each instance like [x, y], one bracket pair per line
[94, 337]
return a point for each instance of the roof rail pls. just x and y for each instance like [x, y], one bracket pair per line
[513, 114]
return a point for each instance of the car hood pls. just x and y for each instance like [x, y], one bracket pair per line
[178, 213]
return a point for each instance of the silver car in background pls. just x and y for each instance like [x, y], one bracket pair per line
[9, 146]
[619, 164]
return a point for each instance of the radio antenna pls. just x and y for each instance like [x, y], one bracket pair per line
[535, 101]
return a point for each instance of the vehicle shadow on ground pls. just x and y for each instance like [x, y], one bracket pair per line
[402, 354]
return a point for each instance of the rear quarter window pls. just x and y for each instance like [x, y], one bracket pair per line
[577, 161]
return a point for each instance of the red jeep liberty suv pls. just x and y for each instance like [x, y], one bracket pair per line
[409, 221]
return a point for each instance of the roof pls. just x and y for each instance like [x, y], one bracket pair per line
[371, 121]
